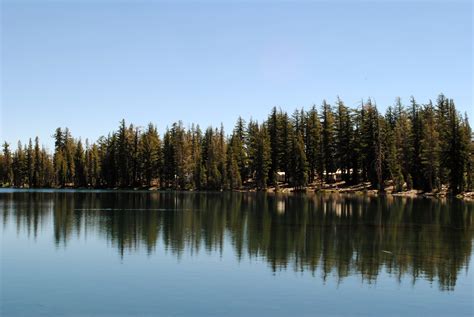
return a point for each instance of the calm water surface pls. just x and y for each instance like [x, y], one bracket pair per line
[217, 254]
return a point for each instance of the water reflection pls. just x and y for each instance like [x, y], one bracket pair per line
[339, 235]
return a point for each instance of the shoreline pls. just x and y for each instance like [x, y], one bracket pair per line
[359, 189]
[365, 189]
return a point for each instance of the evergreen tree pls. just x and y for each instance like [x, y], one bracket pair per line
[274, 132]
[240, 135]
[38, 168]
[68, 152]
[259, 153]
[150, 154]
[313, 145]
[403, 141]
[169, 168]
[47, 169]
[234, 180]
[19, 167]
[391, 153]
[430, 150]
[123, 155]
[343, 140]
[30, 163]
[135, 156]
[221, 155]
[455, 153]
[371, 145]
[199, 170]
[7, 166]
[442, 125]
[328, 144]
[92, 165]
[468, 148]
[80, 166]
[211, 160]
[357, 156]
[416, 136]
[299, 163]
[285, 146]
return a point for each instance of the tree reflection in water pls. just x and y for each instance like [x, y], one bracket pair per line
[340, 235]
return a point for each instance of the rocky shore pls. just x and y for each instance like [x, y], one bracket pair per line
[366, 189]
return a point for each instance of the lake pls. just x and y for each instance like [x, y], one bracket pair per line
[122, 253]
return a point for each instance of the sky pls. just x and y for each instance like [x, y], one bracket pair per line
[88, 64]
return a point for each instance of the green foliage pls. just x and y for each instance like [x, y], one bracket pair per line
[343, 140]
[7, 166]
[80, 176]
[299, 163]
[150, 155]
[371, 145]
[430, 149]
[259, 153]
[328, 136]
[425, 147]
[313, 145]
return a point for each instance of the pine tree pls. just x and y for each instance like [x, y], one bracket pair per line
[455, 155]
[313, 145]
[379, 156]
[211, 159]
[199, 171]
[357, 155]
[68, 150]
[442, 126]
[430, 150]
[30, 163]
[393, 164]
[259, 153]
[328, 134]
[221, 155]
[403, 141]
[299, 163]
[240, 150]
[20, 168]
[47, 169]
[37, 179]
[468, 146]
[122, 155]
[108, 154]
[343, 139]
[60, 168]
[92, 165]
[7, 172]
[371, 145]
[150, 154]
[80, 166]
[135, 177]
[285, 146]
[416, 135]
[234, 180]
[274, 131]
[169, 169]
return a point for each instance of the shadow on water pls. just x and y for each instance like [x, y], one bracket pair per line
[339, 235]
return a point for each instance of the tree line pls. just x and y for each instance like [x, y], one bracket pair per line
[410, 147]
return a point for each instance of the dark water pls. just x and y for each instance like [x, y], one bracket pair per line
[218, 254]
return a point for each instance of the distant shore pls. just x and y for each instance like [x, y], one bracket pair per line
[334, 188]
[366, 189]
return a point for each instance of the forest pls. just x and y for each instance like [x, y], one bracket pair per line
[417, 146]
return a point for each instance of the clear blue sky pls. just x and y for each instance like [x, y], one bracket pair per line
[88, 64]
